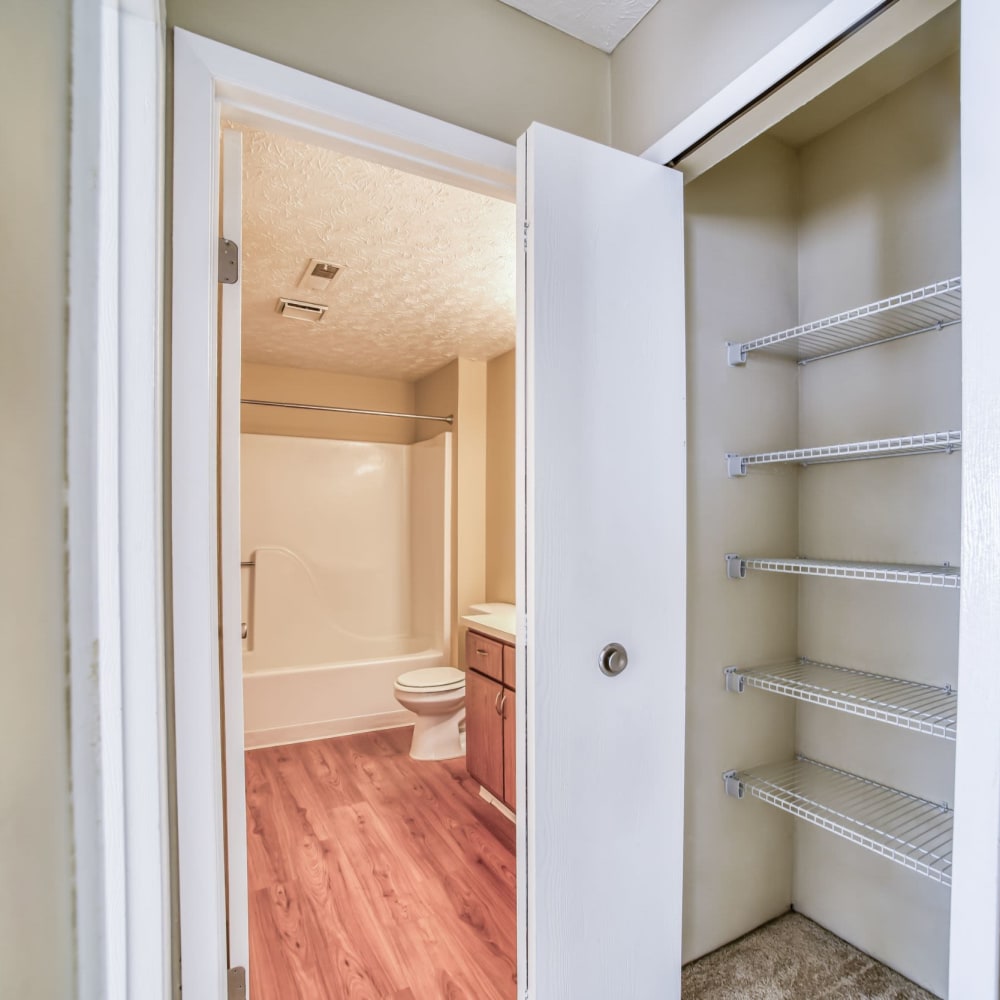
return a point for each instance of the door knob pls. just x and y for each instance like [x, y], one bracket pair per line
[613, 659]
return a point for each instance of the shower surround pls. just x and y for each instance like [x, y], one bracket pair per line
[348, 584]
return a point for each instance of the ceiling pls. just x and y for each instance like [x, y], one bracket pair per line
[601, 23]
[428, 270]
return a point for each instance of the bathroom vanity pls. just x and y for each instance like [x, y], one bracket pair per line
[489, 708]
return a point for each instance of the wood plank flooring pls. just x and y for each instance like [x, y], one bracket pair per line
[376, 877]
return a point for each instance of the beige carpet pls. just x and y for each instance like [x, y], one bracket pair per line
[792, 958]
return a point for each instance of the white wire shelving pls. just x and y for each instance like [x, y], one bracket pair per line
[904, 828]
[946, 576]
[923, 708]
[892, 447]
[921, 310]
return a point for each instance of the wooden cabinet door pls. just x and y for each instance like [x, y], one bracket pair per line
[509, 749]
[484, 731]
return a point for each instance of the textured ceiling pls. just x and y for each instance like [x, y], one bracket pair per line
[428, 269]
[601, 23]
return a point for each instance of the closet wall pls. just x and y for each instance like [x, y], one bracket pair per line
[880, 204]
[740, 258]
[778, 236]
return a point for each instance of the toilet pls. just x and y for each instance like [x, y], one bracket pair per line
[436, 695]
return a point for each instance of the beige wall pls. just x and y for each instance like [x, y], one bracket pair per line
[460, 388]
[500, 442]
[740, 249]
[476, 63]
[36, 945]
[683, 52]
[301, 385]
[880, 202]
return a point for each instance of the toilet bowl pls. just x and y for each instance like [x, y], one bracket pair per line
[436, 695]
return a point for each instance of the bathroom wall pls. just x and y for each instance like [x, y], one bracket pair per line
[431, 612]
[301, 385]
[36, 936]
[460, 388]
[500, 493]
[880, 204]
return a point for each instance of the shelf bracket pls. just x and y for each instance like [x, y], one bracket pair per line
[734, 682]
[736, 354]
[736, 465]
[734, 786]
[736, 567]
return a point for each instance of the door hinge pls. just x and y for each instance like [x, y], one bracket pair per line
[229, 262]
[527, 226]
[237, 984]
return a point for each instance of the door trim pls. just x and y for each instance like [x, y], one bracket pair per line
[212, 80]
[116, 694]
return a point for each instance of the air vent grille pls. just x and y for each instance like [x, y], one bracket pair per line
[311, 312]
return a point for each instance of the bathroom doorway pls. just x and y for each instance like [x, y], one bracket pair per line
[376, 508]
[600, 303]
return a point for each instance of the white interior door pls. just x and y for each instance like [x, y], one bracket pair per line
[230, 611]
[602, 460]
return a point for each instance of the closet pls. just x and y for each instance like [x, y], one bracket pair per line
[824, 377]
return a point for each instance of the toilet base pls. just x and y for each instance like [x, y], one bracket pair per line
[436, 737]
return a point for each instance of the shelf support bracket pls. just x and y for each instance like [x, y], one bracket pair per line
[736, 354]
[734, 682]
[736, 465]
[736, 567]
[734, 786]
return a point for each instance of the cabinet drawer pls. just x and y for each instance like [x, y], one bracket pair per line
[509, 666]
[484, 654]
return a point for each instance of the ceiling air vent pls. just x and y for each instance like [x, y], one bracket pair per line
[296, 309]
[318, 275]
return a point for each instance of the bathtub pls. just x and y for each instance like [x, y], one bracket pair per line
[292, 704]
[345, 553]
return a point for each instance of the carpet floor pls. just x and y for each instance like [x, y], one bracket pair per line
[792, 958]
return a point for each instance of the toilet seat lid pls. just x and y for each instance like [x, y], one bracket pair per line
[431, 679]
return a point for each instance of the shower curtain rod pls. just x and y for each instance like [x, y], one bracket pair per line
[345, 409]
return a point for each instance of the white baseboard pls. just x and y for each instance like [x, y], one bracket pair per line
[281, 735]
[497, 804]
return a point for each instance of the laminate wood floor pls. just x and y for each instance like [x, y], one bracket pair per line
[376, 877]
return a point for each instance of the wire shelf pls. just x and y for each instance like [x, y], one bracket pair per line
[925, 576]
[908, 830]
[921, 310]
[923, 708]
[893, 447]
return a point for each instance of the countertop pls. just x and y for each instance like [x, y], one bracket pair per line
[498, 624]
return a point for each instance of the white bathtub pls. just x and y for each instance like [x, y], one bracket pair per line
[292, 704]
[346, 551]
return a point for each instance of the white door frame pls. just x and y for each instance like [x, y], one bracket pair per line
[212, 80]
[116, 709]
[230, 327]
